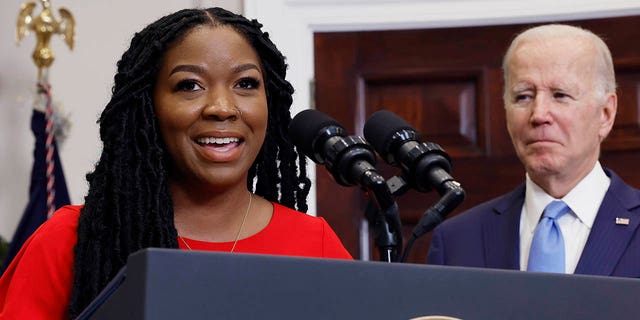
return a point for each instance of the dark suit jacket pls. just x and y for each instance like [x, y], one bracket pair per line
[487, 235]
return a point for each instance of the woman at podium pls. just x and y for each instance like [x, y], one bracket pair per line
[195, 156]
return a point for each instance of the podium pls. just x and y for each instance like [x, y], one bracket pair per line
[175, 284]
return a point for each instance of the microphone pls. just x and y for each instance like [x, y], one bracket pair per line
[350, 159]
[424, 164]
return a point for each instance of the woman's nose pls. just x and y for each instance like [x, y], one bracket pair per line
[221, 106]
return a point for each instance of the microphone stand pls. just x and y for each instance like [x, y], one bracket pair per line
[452, 195]
[385, 218]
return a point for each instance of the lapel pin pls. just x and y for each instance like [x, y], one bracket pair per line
[622, 221]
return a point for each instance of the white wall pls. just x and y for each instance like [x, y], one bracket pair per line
[82, 79]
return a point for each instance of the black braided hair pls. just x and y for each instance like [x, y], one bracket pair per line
[128, 206]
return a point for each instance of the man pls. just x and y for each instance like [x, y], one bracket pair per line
[560, 104]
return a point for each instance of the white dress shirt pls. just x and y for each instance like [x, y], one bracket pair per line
[584, 201]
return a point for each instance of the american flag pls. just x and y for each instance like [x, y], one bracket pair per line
[45, 158]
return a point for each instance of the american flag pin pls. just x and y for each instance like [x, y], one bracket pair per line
[622, 221]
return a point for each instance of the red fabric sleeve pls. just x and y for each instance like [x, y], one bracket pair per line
[37, 283]
[332, 246]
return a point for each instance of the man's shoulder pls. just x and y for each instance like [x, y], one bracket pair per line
[626, 194]
[618, 183]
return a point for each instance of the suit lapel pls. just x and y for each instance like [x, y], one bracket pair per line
[501, 232]
[607, 240]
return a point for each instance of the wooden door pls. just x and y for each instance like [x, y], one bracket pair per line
[447, 83]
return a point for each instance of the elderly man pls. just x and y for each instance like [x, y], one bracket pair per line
[570, 215]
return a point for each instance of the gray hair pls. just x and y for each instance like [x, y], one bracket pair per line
[606, 80]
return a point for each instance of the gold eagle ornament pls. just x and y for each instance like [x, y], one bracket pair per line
[44, 26]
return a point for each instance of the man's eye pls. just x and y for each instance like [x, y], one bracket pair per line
[188, 85]
[560, 95]
[248, 83]
[522, 97]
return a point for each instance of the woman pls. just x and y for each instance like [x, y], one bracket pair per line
[197, 121]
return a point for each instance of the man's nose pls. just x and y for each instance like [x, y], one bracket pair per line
[541, 110]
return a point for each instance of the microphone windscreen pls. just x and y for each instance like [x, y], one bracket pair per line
[380, 128]
[306, 126]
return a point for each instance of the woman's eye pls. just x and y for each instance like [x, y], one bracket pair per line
[188, 85]
[248, 83]
[521, 97]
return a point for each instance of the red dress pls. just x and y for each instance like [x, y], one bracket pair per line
[37, 284]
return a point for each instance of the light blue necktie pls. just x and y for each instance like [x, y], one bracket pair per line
[547, 246]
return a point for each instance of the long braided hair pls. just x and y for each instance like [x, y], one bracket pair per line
[128, 206]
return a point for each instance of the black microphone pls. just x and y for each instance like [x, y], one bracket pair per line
[424, 164]
[350, 159]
